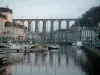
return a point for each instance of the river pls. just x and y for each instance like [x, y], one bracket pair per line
[65, 61]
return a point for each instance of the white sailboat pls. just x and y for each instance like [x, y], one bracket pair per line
[74, 44]
[77, 44]
[53, 46]
[14, 46]
[44, 46]
[29, 46]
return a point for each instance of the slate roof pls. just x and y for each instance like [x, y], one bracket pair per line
[3, 9]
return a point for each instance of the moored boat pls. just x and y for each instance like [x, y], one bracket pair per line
[3, 45]
[74, 45]
[77, 44]
[44, 47]
[53, 46]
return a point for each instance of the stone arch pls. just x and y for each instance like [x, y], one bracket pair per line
[56, 23]
[33, 23]
[48, 26]
[26, 23]
[63, 24]
[71, 22]
[40, 26]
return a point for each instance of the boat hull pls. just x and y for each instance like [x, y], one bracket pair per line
[50, 48]
[53, 47]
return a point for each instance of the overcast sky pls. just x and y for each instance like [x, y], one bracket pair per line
[49, 8]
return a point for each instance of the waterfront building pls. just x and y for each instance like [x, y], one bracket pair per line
[15, 31]
[75, 34]
[81, 33]
[10, 29]
[7, 12]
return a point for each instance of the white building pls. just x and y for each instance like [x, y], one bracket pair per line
[84, 34]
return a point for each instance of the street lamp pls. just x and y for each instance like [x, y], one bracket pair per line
[87, 30]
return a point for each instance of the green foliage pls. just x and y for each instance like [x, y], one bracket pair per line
[91, 17]
[4, 39]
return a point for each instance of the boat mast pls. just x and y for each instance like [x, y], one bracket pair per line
[46, 66]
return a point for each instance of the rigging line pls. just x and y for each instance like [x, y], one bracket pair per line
[55, 64]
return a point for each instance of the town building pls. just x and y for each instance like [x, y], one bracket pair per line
[10, 29]
[7, 12]
[75, 34]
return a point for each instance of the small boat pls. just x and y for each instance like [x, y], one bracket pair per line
[77, 45]
[44, 47]
[29, 46]
[25, 46]
[14, 46]
[3, 45]
[2, 52]
[74, 45]
[53, 46]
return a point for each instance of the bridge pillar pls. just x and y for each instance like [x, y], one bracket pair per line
[52, 27]
[29, 30]
[44, 31]
[44, 26]
[51, 31]
[67, 25]
[29, 26]
[36, 27]
[59, 28]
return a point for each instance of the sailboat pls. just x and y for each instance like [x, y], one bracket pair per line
[53, 46]
[14, 46]
[29, 46]
[44, 46]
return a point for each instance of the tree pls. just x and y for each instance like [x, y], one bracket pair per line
[91, 17]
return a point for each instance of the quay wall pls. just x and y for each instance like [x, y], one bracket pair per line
[94, 55]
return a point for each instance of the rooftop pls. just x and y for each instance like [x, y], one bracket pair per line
[5, 9]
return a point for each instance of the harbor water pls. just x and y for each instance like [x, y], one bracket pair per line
[64, 61]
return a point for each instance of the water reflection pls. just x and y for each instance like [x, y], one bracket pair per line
[28, 58]
[51, 58]
[59, 59]
[67, 59]
[64, 61]
[43, 59]
[36, 59]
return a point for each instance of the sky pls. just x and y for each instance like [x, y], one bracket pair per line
[31, 9]
[49, 8]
